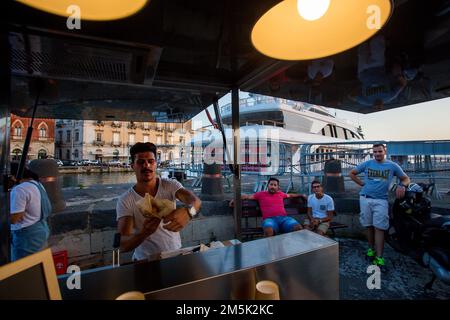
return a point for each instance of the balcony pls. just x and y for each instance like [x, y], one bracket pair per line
[132, 125]
[14, 137]
[43, 139]
[116, 144]
[100, 143]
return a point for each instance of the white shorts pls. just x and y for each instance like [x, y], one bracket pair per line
[374, 212]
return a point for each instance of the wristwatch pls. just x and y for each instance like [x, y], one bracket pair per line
[192, 211]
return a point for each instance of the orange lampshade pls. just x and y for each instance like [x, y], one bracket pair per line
[89, 9]
[311, 29]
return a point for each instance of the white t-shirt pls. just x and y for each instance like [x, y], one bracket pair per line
[162, 239]
[26, 197]
[319, 207]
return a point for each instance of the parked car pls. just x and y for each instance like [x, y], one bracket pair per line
[69, 162]
[114, 163]
[93, 162]
[59, 162]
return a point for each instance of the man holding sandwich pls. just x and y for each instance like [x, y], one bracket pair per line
[156, 229]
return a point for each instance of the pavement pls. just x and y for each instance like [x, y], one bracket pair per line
[405, 278]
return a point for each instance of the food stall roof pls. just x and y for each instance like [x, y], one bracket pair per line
[172, 59]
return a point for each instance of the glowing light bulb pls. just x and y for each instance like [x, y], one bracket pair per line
[312, 9]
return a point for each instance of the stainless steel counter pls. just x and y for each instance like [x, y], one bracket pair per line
[304, 264]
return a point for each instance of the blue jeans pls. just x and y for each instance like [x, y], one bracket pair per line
[283, 223]
[29, 240]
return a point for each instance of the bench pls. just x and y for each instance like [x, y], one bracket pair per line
[251, 217]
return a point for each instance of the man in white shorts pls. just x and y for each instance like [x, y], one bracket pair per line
[320, 210]
[149, 236]
[373, 200]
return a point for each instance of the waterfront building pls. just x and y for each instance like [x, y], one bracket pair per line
[108, 141]
[42, 143]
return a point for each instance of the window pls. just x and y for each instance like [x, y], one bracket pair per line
[18, 130]
[146, 138]
[76, 154]
[68, 136]
[60, 133]
[99, 136]
[116, 154]
[77, 136]
[16, 154]
[42, 132]
[68, 154]
[328, 131]
[130, 138]
[340, 133]
[42, 154]
[158, 140]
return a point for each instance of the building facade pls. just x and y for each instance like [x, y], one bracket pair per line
[111, 140]
[42, 143]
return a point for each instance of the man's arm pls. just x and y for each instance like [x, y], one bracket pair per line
[247, 197]
[130, 240]
[16, 217]
[309, 214]
[243, 197]
[189, 198]
[401, 189]
[297, 195]
[353, 176]
[329, 216]
[180, 217]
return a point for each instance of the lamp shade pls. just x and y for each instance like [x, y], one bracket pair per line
[89, 9]
[286, 32]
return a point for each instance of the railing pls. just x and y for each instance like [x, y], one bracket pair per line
[116, 143]
[132, 125]
[98, 143]
[422, 161]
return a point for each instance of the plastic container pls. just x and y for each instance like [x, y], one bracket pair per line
[60, 260]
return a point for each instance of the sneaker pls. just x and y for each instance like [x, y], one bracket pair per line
[370, 255]
[379, 262]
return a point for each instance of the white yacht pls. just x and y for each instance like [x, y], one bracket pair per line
[280, 123]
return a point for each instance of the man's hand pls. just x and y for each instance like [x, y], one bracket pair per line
[177, 220]
[149, 226]
[400, 191]
[231, 204]
[315, 222]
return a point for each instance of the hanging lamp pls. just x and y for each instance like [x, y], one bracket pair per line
[89, 9]
[311, 29]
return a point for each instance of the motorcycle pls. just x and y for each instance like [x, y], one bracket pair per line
[417, 232]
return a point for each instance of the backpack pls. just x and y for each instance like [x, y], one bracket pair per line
[46, 205]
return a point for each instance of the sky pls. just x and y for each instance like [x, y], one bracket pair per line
[423, 121]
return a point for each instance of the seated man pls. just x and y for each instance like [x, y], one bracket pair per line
[275, 219]
[320, 210]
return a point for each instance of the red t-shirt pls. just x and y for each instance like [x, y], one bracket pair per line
[271, 205]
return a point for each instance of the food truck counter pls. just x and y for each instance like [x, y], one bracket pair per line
[303, 264]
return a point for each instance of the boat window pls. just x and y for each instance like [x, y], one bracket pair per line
[340, 133]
